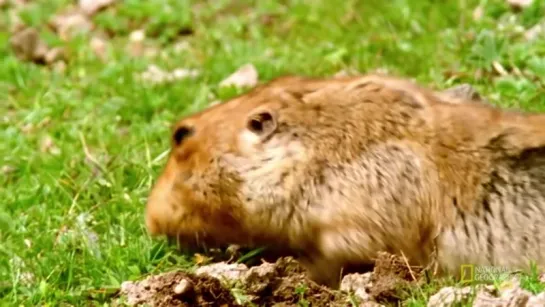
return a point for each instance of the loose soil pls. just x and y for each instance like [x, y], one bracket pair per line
[281, 283]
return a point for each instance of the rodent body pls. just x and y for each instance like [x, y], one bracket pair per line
[340, 169]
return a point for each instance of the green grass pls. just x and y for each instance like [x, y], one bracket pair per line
[70, 226]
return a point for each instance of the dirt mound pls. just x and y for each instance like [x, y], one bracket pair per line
[280, 283]
[283, 283]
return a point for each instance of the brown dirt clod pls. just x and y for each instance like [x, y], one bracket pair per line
[161, 290]
[391, 276]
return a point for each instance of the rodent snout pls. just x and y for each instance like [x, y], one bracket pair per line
[159, 213]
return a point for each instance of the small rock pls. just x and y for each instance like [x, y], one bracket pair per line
[346, 73]
[48, 146]
[382, 71]
[450, 296]
[514, 297]
[182, 287]
[245, 76]
[215, 102]
[153, 74]
[182, 73]
[59, 67]
[258, 271]
[70, 23]
[98, 45]
[28, 46]
[134, 292]
[483, 299]
[223, 271]
[508, 294]
[536, 300]
[357, 284]
[54, 55]
[181, 46]
[137, 36]
[535, 32]
[90, 7]
[156, 75]
[136, 42]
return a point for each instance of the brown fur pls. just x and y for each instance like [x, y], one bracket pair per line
[341, 169]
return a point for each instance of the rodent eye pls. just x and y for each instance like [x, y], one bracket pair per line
[181, 133]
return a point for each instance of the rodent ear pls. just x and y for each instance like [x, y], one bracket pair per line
[181, 133]
[262, 123]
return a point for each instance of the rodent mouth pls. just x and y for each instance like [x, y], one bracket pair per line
[196, 243]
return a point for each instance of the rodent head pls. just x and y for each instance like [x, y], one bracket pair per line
[228, 165]
[251, 170]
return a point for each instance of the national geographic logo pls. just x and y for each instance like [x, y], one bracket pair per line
[471, 272]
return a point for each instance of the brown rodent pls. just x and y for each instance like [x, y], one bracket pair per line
[340, 169]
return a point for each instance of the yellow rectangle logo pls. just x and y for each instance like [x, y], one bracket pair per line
[467, 273]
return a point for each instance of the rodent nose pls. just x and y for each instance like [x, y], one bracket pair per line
[151, 225]
[153, 214]
[158, 212]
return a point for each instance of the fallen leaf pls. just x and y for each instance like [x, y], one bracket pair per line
[200, 259]
[245, 76]
[90, 7]
[499, 68]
